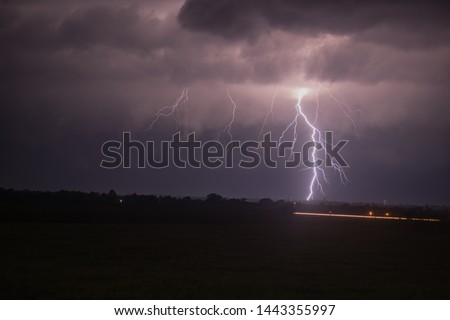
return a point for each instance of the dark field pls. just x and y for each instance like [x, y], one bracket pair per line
[297, 258]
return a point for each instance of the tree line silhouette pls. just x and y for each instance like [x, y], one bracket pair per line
[110, 207]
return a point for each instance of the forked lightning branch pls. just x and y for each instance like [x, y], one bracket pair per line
[317, 154]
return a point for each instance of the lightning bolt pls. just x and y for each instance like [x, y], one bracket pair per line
[317, 103]
[171, 110]
[314, 133]
[270, 113]
[335, 165]
[315, 137]
[227, 129]
[318, 173]
[347, 110]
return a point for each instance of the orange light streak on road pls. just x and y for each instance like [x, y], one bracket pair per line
[363, 216]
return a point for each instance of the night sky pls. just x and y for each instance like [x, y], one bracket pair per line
[76, 73]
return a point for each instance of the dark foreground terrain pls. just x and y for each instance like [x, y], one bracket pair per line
[289, 258]
[74, 245]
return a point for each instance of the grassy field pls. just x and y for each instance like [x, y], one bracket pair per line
[301, 258]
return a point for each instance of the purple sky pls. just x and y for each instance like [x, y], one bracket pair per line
[76, 73]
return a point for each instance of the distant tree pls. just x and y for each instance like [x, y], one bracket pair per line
[265, 202]
[213, 199]
[214, 196]
[112, 197]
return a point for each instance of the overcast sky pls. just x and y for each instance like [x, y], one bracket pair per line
[76, 73]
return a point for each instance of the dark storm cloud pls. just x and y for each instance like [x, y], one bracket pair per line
[81, 29]
[374, 40]
[427, 21]
[100, 41]
[97, 40]
[76, 73]
[366, 63]
[103, 25]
